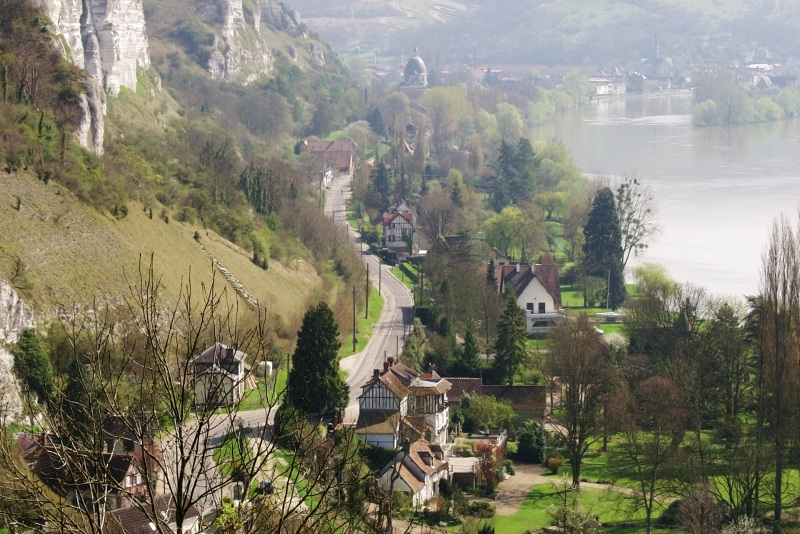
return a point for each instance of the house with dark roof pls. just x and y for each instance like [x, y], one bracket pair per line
[221, 376]
[538, 293]
[400, 403]
[134, 520]
[339, 155]
[417, 469]
[125, 467]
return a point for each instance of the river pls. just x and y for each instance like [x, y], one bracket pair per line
[717, 189]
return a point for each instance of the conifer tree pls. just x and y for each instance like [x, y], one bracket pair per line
[491, 277]
[314, 385]
[32, 366]
[510, 351]
[603, 248]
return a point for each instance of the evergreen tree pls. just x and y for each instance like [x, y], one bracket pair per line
[526, 163]
[491, 276]
[32, 366]
[314, 385]
[510, 351]
[504, 177]
[469, 363]
[383, 184]
[603, 247]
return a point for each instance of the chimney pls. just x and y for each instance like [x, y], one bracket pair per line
[407, 446]
[390, 360]
[517, 267]
[533, 268]
[376, 373]
[430, 367]
[385, 366]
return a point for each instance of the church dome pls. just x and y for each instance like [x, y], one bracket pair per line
[415, 67]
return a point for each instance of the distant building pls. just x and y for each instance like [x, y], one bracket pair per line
[221, 376]
[340, 155]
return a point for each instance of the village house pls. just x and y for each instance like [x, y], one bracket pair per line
[417, 469]
[339, 155]
[538, 293]
[398, 229]
[122, 470]
[221, 376]
[400, 403]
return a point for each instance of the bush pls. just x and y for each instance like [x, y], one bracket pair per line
[555, 464]
[532, 442]
[669, 518]
[462, 451]
[482, 509]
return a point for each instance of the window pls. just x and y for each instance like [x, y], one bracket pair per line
[541, 307]
[530, 307]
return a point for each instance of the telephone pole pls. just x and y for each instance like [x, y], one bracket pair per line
[354, 318]
[366, 307]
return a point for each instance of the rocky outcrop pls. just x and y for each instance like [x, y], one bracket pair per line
[107, 39]
[317, 56]
[239, 52]
[15, 316]
[281, 17]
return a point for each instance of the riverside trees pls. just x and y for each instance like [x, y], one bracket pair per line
[603, 251]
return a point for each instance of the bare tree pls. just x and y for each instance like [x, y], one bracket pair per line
[637, 214]
[778, 349]
[577, 356]
[652, 429]
[131, 391]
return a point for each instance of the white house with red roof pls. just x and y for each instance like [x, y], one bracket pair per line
[538, 293]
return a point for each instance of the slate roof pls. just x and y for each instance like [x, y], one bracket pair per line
[134, 521]
[219, 352]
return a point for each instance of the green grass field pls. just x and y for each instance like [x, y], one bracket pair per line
[609, 506]
[363, 324]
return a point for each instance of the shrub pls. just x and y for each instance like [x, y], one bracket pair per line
[482, 509]
[555, 464]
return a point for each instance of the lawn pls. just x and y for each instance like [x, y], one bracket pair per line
[364, 325]
[232, 452]
[261, 396]
[400, 275]
[609, 506]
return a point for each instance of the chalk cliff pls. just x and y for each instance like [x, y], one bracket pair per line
[107, 39]
[15, 316]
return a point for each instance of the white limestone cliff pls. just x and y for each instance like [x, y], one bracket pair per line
[15, 316]
[239, 52]
[107, 39]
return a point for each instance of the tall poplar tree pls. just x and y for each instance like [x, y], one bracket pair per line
[314, 385]
[603, 247]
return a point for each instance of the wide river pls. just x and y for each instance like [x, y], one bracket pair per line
[717, 189]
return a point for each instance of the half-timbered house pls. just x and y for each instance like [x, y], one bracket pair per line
[400, 403]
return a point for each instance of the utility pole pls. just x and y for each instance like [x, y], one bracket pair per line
[366, 310]
[380, 271]
[354, 318]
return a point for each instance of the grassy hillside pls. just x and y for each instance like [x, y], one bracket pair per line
[68, 254]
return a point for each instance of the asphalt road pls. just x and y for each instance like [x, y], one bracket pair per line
[388, 335]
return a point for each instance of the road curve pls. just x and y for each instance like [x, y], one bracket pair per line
[388, 335]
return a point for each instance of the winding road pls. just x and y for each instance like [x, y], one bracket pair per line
[388, 335]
